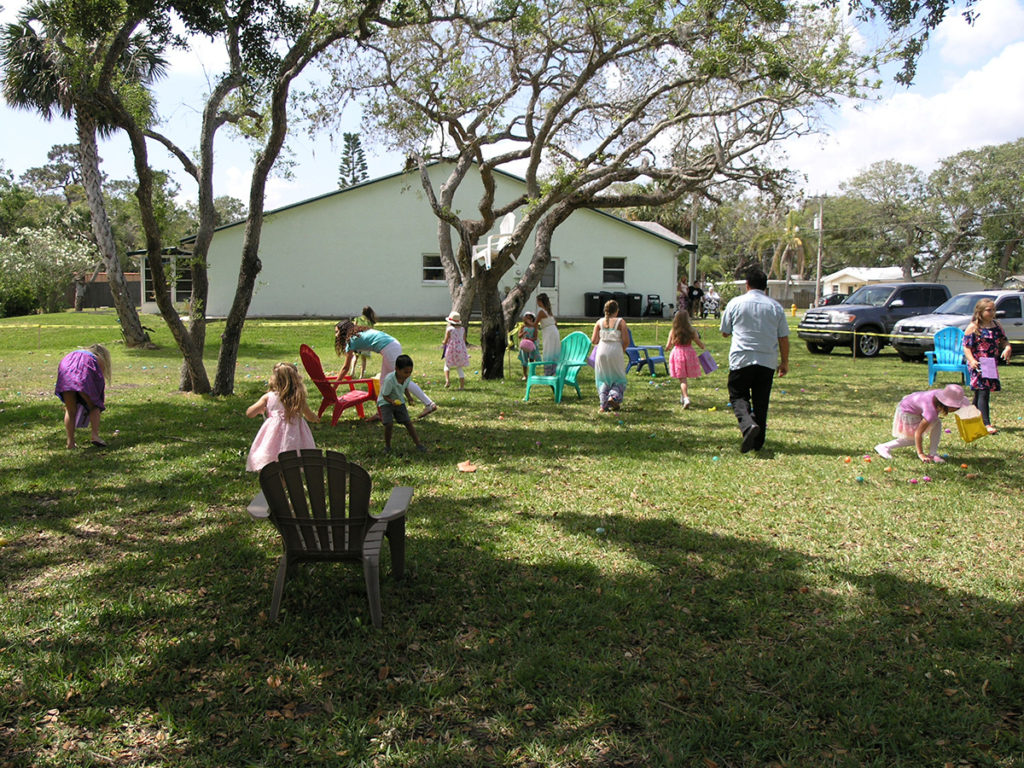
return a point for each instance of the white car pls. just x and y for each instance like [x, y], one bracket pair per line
[912, 337]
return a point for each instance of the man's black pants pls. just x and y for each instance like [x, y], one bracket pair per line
[750, 388]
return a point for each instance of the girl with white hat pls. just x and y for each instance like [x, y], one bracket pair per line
[454, 346]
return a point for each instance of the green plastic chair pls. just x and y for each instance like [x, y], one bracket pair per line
[575, 348]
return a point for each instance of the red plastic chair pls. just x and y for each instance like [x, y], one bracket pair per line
[329, 387]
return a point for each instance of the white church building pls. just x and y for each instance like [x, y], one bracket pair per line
[376, 243]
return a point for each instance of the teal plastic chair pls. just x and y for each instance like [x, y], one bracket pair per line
[948, 355]
[575, 348]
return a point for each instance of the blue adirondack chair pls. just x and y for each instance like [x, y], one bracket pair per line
[645, 354]
[948, 355]
[575, 348]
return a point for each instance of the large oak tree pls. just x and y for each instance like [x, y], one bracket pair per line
[582, 98]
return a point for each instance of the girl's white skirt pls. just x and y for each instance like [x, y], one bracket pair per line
[904, 424]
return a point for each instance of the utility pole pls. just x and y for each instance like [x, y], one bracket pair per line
[693, 253]
[819, 224]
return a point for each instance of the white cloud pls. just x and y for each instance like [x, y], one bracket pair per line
[999, 23]
[204, 57]
[234, 180]
[984, 106]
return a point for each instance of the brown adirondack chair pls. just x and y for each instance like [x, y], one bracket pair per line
[320, 503]
[329, 387]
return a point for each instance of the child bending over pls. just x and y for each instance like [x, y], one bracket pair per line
[918, 413]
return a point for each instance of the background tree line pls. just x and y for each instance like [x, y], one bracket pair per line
[46, 235]
[967, 213]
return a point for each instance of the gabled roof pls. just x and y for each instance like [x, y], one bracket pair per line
[663, 232]
[886, 274]
[867, 274]
[650, 227]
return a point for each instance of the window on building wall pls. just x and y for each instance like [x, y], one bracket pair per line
[177, 272]
[614, 270]
[433, 271]
[547, 280]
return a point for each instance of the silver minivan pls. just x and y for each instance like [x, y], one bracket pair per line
[912, 337]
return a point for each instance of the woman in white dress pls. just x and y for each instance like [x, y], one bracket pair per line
[551, 341]
[611, 335]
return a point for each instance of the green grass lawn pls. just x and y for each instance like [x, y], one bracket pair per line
[606, 590]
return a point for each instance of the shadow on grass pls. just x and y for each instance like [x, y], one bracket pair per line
[663, 645]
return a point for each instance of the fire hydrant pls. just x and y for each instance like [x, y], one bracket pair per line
[792, 310]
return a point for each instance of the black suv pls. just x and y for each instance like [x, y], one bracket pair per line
[867, 316]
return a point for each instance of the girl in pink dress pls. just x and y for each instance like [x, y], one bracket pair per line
[455, 354]
[682, 363]
[286, 410]
[921, 412]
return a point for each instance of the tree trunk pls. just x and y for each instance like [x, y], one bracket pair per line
[493, 336]
[191, 353]
[492, 330]
[249, 269]
[1004, 258]
[127, 315]
[227, 356]
[303, 51]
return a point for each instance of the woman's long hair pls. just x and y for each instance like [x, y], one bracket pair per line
[103, 357]
[545, 303]
[343, 331]
[682, 332]
[291, 391]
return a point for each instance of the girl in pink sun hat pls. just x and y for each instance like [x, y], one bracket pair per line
[918, 413]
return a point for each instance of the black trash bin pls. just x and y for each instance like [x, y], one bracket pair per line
[592, 304]
[622, 299]
[635, 304]
[606, 296]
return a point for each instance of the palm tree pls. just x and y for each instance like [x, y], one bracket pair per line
[787, 248]
[48, 68]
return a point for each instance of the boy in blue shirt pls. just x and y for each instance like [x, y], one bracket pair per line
[391, 402]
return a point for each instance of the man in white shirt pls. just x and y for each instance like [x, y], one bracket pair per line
[760, 346]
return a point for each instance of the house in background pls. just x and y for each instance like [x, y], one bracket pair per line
[850, 279]
[376, 243]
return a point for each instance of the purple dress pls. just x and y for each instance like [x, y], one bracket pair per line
[985, 342]
[80, 372]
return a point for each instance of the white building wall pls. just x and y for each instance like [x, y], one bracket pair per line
[962, 282]
[330, 256]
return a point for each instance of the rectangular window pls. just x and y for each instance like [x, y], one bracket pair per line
[615, 270]
[547, 280]
[433, 272]
[182, 280]
[177, 272]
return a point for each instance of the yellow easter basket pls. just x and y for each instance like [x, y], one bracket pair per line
[969, 423]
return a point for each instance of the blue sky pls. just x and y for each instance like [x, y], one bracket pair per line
[969, 93]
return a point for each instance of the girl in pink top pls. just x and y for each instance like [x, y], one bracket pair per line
[682, 362]
[919, 412]
[286, 411]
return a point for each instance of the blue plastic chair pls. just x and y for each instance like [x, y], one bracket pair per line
[948, 355]
[645, 354]
[575, 348]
